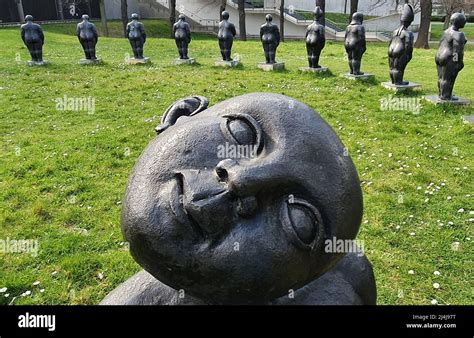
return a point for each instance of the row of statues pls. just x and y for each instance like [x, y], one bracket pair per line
[449, 58]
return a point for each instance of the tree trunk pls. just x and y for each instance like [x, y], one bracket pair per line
[89, 9]
[222, 7]
[59, 7]
[282, 20]
[397, 2]
[424, 32]
[354, 7]
[103, 18]
[172, 16]
[242, 28]
[447, 19]
[124, 14]
[322, 4]
[21, 12]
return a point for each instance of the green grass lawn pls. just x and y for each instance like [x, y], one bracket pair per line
[437, 31]
[63, 173]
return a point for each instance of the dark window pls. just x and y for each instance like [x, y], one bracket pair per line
[43, 10]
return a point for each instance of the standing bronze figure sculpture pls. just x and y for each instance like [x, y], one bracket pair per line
[400, 50]
[182, 37]
[270, 37]
[355, 43]
[315, 39]
[88, 37]
[33, 37]
[137, 36]
[226, 36]
[213, 227]
[450, 57]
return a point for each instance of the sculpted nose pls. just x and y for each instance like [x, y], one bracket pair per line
[246, 202]
[248, 179]
[232, 174]
[222, 170]
[200, 184]
[206, 201]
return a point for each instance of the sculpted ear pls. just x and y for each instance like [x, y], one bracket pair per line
[189, 106]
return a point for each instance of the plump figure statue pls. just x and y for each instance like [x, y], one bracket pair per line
[182, 36]
[137, 36]
[226, 36]
[212, 223]
[88, 37]
[450, 56]
[355, 43]
[400, 51]
[270, 37]
[315, 39]
[33, 37]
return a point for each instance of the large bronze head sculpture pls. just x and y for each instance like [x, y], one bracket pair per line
[236, 226]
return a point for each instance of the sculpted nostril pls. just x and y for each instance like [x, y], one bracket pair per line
[222, 174]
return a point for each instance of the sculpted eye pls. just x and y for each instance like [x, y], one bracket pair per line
[241, 132]
[302, 223]
[243, 129]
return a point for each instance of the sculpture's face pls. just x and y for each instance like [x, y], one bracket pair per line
[230, 228]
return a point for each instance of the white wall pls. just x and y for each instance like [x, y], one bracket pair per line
[337, 6]
[253, 21]
[390, 23]
[112, 8]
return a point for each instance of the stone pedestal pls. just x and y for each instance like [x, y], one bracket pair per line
[469, 119]
[269, 67]
[86, 62]
[189, 61]
[458, 101]
[363, 77]
[133, 61]
[222, 63]
[401, 88]
[39, 64]
[314, 70]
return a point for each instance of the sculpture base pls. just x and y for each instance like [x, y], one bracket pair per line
[401, 88]
[39, 64]
[133, 61]
[314, 70]
[189, 61]
[222, 63]
[86, 62]
[269, 67]
[459, 101]
[362, 77]
[469, 119]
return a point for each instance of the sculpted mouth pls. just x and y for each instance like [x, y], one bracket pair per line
[177, 207]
